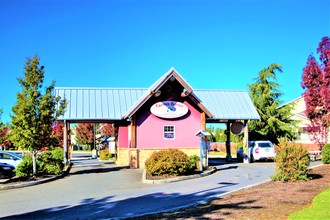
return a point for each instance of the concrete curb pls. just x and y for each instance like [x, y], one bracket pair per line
[176, 179]
[32, 183]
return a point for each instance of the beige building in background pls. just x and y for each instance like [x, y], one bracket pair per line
[303, 122]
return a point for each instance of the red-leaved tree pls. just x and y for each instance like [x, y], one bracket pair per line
[85, 134]
[4, 130]
[108, 130]
[316, 82]
[58, 134]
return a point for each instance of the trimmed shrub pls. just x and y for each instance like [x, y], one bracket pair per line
[326, 154]
[292, 161]
[25, 168]
[170, 162]
[193, 162]
[51, 162]
[104, 154]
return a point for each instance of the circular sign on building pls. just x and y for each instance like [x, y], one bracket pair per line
[237, 128]
[169, 109]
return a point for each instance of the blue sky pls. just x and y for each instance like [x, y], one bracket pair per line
[130, 44]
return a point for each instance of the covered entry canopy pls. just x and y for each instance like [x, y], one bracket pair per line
[113, 104]
[109, 105]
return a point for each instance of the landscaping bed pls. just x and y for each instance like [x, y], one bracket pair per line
[16, 182]
[273, 200]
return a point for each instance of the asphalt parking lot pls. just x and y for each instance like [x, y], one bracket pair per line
[104, 190]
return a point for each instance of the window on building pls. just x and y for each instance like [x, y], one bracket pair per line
[169, 132]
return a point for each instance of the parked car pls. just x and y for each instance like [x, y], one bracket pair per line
[6, 170]
[10, 158]
[259, 150]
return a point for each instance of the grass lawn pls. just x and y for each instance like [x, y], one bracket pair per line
[320, 208]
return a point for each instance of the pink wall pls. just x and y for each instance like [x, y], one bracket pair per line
[150, 130]
[123, 137]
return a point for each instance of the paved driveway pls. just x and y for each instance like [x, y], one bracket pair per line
[103, 191]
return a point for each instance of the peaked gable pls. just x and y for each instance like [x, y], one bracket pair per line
[170, 75]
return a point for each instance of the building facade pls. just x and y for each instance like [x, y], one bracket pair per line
[298, 115]
[166, 115]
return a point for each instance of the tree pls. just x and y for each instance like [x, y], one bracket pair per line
[3, 133]
[275, 122]
[108, 130]
[35, 111]
[316, 82]
[85, 134]
[219, 135]
[57, 134]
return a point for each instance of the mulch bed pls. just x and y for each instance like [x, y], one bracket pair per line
[150, 177]
[18, 180]
[273, 200]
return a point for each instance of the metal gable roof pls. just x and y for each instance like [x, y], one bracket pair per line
[97, 103]
[86, 104]
[110, 104]
[228, 104]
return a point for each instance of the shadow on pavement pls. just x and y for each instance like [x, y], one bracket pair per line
[221, 161]
[106, 207]
[95, 170]
[228, 168]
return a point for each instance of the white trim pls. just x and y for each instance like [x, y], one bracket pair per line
[169, 132]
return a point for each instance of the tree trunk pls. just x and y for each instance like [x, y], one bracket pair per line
[34, 163]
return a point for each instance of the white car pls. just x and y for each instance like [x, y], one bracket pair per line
[259, 150]
[262, 150]
[10, 158]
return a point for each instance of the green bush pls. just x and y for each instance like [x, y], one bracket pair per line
[193, 162]
[104, 154]
[292, 161]
[170, 162]
[25, 168]
[326, 154]
[51, 162]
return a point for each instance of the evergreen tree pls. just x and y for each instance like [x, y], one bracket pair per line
[35, 111]
[316, 82]
[275, 122]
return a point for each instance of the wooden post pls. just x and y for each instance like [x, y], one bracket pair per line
[203, 121]
[133, 156]
[68, 140]
[246, 144]
[133, 132]
[228, 155]
[65, 143]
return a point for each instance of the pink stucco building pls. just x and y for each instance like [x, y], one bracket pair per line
[166, 115]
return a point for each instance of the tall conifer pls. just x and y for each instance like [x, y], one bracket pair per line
[275, 122]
